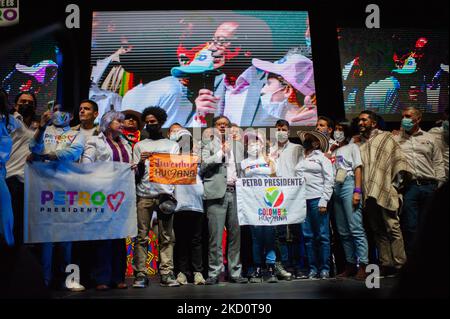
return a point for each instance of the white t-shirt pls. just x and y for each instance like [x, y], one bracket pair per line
[21, 139]
[348, 157]
[89, 132]
[145, 188]
[255, 167]
[286, 158]
[189, 197]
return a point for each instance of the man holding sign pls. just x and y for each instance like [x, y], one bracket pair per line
[153, 197]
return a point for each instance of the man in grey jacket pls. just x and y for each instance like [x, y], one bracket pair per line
[220, 169]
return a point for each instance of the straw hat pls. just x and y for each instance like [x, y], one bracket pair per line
[138, 115]
[323, 141]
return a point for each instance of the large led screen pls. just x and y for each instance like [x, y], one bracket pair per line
[252, 66]
[385, 70]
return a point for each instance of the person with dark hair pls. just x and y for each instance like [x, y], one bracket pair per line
[25, 103]
[258, 165]
[56, 142]
[150, 197]
[325, 125]
[24, 111]
[286, 155]
[317, 171]
[132, 127]
[188, 219]
[88, 113]
[7, 125]
[110, 255]
[384, 168]
[425, 159]
[221, 158]
[347, 204]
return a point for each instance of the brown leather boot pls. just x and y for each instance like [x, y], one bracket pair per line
[361, 274]
[349, 271]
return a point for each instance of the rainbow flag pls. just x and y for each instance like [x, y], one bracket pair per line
[127, 83]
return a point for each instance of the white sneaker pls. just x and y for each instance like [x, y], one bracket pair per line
[182, 279]
[198, 279]
[75, 286]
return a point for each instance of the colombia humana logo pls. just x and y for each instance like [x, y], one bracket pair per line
[274, 212]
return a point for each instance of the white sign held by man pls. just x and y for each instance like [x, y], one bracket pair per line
[270, 201]
[67, 201]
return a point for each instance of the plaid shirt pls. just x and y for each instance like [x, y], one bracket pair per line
[382, 160]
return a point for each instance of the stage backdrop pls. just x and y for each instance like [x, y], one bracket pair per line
[73, 202]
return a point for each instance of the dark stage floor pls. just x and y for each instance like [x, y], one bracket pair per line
[296, 289]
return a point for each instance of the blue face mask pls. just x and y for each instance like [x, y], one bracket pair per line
[407, 124]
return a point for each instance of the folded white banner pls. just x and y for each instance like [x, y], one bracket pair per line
[67, 201]
[270, 201]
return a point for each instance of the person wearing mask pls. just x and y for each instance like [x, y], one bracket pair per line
[317, 171]
[56, 142]
[347, 204]
[24, 113]
[7, 125]
[188, 219]
[289, 92]
[286, 155]
[258, 165]
[110, 255]
[88, 113]
[425, 160]
[221, 158]
[132, 127]
[151, 197]
[384, 172]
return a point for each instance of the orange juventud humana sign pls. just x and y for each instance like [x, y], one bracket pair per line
[173, 169]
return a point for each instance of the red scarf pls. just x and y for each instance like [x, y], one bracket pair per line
[132, 136]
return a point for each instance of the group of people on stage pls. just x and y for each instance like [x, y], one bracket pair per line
[367, 190]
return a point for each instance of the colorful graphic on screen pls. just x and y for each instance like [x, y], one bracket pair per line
[254, 67]
[385, 70]
[31, 67]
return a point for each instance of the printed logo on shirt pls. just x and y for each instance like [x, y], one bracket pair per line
[58, 139]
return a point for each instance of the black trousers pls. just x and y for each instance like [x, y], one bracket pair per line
[110, 261]
[16, 189]
[188, 226]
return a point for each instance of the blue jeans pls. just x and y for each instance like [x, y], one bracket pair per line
[316, 232]
[349, 223]
[47, 259]
[263, 242]
[291, 248]
[417, 200]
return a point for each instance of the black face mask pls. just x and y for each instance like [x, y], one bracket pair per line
[153, 131]
[26, 110]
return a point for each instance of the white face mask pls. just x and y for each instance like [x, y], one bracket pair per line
[339, 136]
[61, 119]
[253, 150]
[174, 136]
[275, 109]
[282, 136]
